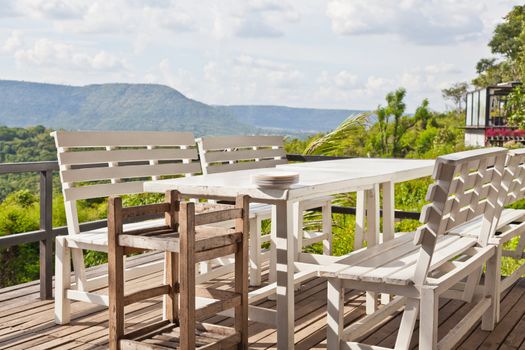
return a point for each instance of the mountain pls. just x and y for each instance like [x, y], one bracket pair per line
[148, 107]
[308, 120]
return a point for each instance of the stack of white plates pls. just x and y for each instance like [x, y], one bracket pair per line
[280, 180]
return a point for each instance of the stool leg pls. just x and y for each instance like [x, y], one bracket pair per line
[241, 273]
[171, 300]
[187, 276]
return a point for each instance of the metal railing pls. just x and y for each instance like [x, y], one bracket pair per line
[46, 233]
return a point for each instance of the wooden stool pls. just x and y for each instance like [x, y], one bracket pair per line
[186, 241]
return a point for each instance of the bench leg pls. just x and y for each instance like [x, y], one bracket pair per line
[335, 313]
[428, 319]
[493, 289]
[62, 281]
[408, 322]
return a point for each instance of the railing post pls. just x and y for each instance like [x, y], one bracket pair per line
[46, 224]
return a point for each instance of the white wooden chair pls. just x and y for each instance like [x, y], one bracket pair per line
[420, 269]
[511, 225]
[102, 164]
[231, 153]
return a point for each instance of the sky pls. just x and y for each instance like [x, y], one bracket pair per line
[301, 53]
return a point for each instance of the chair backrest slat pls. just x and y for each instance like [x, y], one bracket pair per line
[231, 153]
[110, 163]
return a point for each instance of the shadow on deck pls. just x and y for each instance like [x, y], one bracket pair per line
[26, 322]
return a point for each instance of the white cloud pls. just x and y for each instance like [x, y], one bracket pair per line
[418, 21]
[54, 9]
[256, 27]
[14, 42]
[50, 53]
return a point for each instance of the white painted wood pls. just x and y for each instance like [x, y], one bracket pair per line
[255, 255]
[234, 153]
[327, 226]
[408, 321]
[360, 217]
[335, 314]
[86, 297]
[388, 210]
[128, 171]
[78, 139]
[126, 155]
[428, 319]
[407, 269]
[104, 156]
[269, 163]
[236, 141]
[285, 276]
[62, 281]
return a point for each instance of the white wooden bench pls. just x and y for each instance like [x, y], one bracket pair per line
[102, 164]
[231, 153]
[511, 225]
[418, 270]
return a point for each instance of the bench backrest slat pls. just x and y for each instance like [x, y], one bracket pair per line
[97, 164]
[231, 153]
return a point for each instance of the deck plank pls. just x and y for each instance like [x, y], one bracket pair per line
[27, 322]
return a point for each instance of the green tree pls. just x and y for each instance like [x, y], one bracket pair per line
[456, 93]
[382, 121]
[507, 43]
[396, 107]
[423, 114]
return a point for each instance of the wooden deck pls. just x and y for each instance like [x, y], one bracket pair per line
[27, 322]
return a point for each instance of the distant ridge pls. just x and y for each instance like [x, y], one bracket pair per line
[148, 107]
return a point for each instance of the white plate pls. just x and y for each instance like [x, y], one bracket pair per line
[275, 179]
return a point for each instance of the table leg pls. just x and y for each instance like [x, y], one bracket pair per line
[372, 236]
[388, 222]
[359, 220]
[388, 211]
[372, 216]
[284, 242]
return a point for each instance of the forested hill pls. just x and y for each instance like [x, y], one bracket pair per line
[146, 107]
[289, 118]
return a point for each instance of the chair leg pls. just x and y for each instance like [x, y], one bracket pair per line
[327, 227]
[79, 269]
[335, 314]
[428, 319]
[255, 251]
[272, 275]
[493, 290]
[62, 281]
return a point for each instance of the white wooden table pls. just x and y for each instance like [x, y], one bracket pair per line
[314, 182]
[394, 171]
